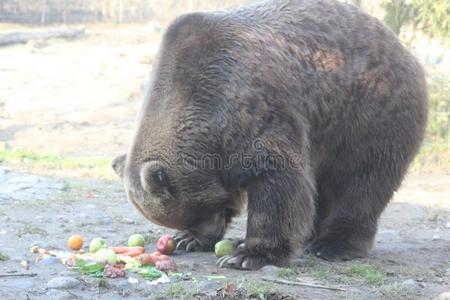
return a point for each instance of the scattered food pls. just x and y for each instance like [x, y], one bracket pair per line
[224, 247]
[147, 259]
[166, 265]
[165, 244]
[106, 255]
[110, 262]
[133, 280]
[96, 244]
[215, 277]
[3, 257]
[163, 279]
[94, 269]
[136, 240]
[124, 250]
[75, 242]
[113, 272]
[149, 272]
[25, 264]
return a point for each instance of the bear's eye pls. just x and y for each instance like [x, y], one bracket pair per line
[154, 178]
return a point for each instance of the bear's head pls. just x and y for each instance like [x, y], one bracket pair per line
[171, 172]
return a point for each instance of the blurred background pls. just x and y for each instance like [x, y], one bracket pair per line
[72, 75]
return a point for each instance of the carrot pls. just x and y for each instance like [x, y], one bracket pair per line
[134, 252]
[163, 257]
[147, 259]
[123, 249]
[156, 253]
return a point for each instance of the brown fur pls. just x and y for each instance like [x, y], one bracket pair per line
[313, 109]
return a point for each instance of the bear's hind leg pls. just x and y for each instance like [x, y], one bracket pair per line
[356, 192]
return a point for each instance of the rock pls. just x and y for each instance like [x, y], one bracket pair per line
[447, 273]
[436, 237]
[48, 261]
[443, 296]
[409, 284]
[62, 282]
[270, 270]
[128, 221]
[447, 225]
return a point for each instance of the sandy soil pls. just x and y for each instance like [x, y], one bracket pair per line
[80, 98]
[70, 93]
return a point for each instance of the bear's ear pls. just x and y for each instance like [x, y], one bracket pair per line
[118, 164]
[154, 178]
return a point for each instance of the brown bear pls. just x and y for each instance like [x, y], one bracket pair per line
[307, 111]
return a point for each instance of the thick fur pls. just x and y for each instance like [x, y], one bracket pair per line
[313, 109]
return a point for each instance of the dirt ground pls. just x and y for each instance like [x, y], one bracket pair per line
[79, 98]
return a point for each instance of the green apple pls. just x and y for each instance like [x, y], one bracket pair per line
[224, 247]
[107, 255]
[136, 240]
[96, 244]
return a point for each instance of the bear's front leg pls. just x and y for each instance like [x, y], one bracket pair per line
[280, 218]
[203, 235]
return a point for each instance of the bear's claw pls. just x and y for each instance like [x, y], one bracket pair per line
[185, 241]
[242, 262]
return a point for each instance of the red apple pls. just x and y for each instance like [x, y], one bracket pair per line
[165, 244]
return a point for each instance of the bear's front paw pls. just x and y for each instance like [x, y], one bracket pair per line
[186, 242]
[242, 262]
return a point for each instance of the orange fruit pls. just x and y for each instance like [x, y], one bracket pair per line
[75, 242]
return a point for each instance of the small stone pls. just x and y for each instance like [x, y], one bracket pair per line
[435, 237]
[48, 261]
[447, 273]
[443, 296]
[270, 270]
[447, 225]
[409, 284]
[62, 282]
[133, 280]
[128, 221]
